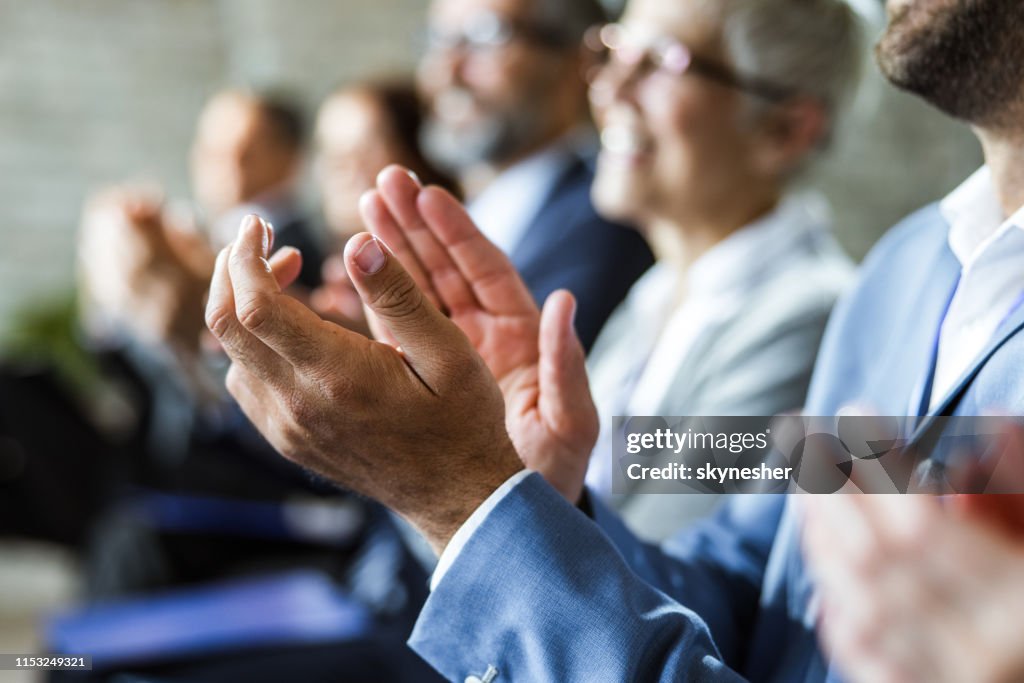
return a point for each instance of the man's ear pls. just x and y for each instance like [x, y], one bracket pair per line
[788, 133]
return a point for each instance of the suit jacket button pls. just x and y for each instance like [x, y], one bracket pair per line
[488, 677]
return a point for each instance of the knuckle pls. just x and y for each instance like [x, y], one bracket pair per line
[302, 412]
[338, 388]
[219, 320]
[256, 311]
[399, 298]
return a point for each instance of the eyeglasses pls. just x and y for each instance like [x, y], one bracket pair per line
[670, 56]
[487, 30]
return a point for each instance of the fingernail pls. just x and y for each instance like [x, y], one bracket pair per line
[253, 222]
[249, 222]
[415, 178]
[370, 257]
[264, 237]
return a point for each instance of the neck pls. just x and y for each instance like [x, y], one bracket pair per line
[681, 242]
[1004, 154]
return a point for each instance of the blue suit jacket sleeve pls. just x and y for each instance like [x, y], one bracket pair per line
[716, 567]
[541, 594]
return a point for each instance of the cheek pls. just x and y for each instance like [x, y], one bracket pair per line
[487, 76]
[501, 77]
[678, 124]
[693, 128]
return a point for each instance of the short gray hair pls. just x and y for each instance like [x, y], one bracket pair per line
[813, 47]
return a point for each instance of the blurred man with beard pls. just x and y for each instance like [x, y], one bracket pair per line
[508, 115]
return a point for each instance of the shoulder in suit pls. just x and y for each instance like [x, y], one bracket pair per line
[569, 246]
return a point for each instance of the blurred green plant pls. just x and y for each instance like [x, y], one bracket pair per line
[46, 336]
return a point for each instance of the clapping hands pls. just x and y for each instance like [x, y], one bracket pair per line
[535, 357]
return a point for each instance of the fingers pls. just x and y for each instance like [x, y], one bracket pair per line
[279, 321]
[286, 264]
[397, 195]
[491, 276]
[565, 400]
[390, 293]
[379, 220]
[242, 347]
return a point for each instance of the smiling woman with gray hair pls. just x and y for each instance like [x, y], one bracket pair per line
[708, 110]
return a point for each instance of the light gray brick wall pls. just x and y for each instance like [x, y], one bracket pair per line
[95, 91]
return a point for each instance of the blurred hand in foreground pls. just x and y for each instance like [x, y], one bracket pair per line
[420, 429]
[918, 588]
[536, 357]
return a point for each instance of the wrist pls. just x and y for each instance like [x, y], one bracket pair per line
[445, 513]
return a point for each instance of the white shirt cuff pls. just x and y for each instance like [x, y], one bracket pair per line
[462, 536]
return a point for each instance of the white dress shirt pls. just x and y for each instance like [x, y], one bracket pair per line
[990, 249]
[505, 208]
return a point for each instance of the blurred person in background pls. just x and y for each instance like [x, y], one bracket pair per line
[361, 129]
[247, 157]
[710, 114]
[145, 264]
[505, 83]
[186, 492]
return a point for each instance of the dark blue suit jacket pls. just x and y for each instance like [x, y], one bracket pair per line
[568, 246]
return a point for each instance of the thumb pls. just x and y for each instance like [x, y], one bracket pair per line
[565, 402]
[389, 292]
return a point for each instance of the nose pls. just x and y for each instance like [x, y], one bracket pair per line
[614, 81]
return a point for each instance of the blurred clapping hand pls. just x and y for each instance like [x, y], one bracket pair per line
[918, 587]
[142, 271]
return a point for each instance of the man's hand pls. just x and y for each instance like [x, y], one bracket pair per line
[337, 300]
[420, 429]
[915, 591]
[536, 358]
